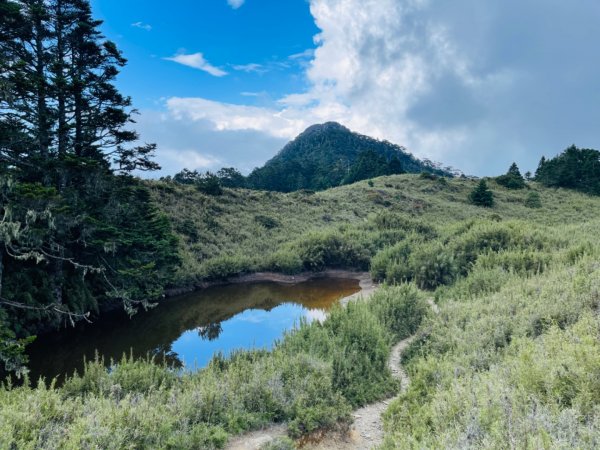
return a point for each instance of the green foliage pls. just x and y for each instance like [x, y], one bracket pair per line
[231, 178]
[533, 200]
[504, 361]
[371, 164]
[481, 195]
[319, 250]
[77, 231]
[432, 265]
[267, 221]
[435, 260]
[512, 179]
[401, 309]
[574, 168]
[226, 266]
[207, 183]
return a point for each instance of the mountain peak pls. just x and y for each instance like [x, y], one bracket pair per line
[323, 128]
[329, 154]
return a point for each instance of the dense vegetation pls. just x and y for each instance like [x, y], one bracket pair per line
[574, 168]
[77, 231]
[329, 155]
[502, 360]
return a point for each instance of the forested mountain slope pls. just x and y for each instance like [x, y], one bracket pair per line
[329, 155]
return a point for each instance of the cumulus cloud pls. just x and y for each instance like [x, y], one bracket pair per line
[142, 25]
[235, 4]
[197, 61]
[473, 84]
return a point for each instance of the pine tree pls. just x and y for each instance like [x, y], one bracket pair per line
[78, 230]
[574, 168]
[512, 179]
[481, 195]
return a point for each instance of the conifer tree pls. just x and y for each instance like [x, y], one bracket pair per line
[512, 179]
[481, 195]
[77, 230]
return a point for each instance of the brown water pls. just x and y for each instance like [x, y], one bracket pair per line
[187, 331]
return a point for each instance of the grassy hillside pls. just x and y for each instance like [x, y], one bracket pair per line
[511, 360]
[247, 231]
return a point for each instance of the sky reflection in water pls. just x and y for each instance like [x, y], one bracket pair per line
[187, 331]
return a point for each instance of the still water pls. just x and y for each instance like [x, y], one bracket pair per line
[187, 331]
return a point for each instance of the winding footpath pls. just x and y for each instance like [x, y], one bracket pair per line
[367, 430]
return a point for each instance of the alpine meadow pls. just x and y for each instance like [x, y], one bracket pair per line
[382, 300]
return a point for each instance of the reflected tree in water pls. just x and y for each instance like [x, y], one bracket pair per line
[211, 331]
[165, 353]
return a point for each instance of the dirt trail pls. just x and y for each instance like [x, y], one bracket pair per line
[367, 430]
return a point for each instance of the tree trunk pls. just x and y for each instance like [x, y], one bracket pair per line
[43, 135]
[60, 88]
[1, 269]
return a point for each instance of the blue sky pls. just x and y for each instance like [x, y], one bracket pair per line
[252, 45]
[472, 84]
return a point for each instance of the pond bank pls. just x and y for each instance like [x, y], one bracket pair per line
[362, 277]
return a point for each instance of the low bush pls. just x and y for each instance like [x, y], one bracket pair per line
[533, 200]
[223, 267]
[320, 250]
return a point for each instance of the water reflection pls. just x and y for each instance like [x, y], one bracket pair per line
[186, 332]
[210, 332]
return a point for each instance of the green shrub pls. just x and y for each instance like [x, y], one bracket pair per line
[432, 265]
[328, 249]
[361, 376]
[400, 309]
[512, 179]
[533, 200]
[388, 220]
[226, 266]
[267, 221]
[520, 261]
[286, 261]
[391, 263]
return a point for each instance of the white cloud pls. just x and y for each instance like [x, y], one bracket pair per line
[142, 25]
[198, 144]
[278, 123]
[189, 158]
[235, 4]
[308, 53]
[197, 61]
[253, 94]
[252, 67]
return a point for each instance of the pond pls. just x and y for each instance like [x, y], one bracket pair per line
[186, 331]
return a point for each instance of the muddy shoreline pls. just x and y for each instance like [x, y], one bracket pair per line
[363, 277]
